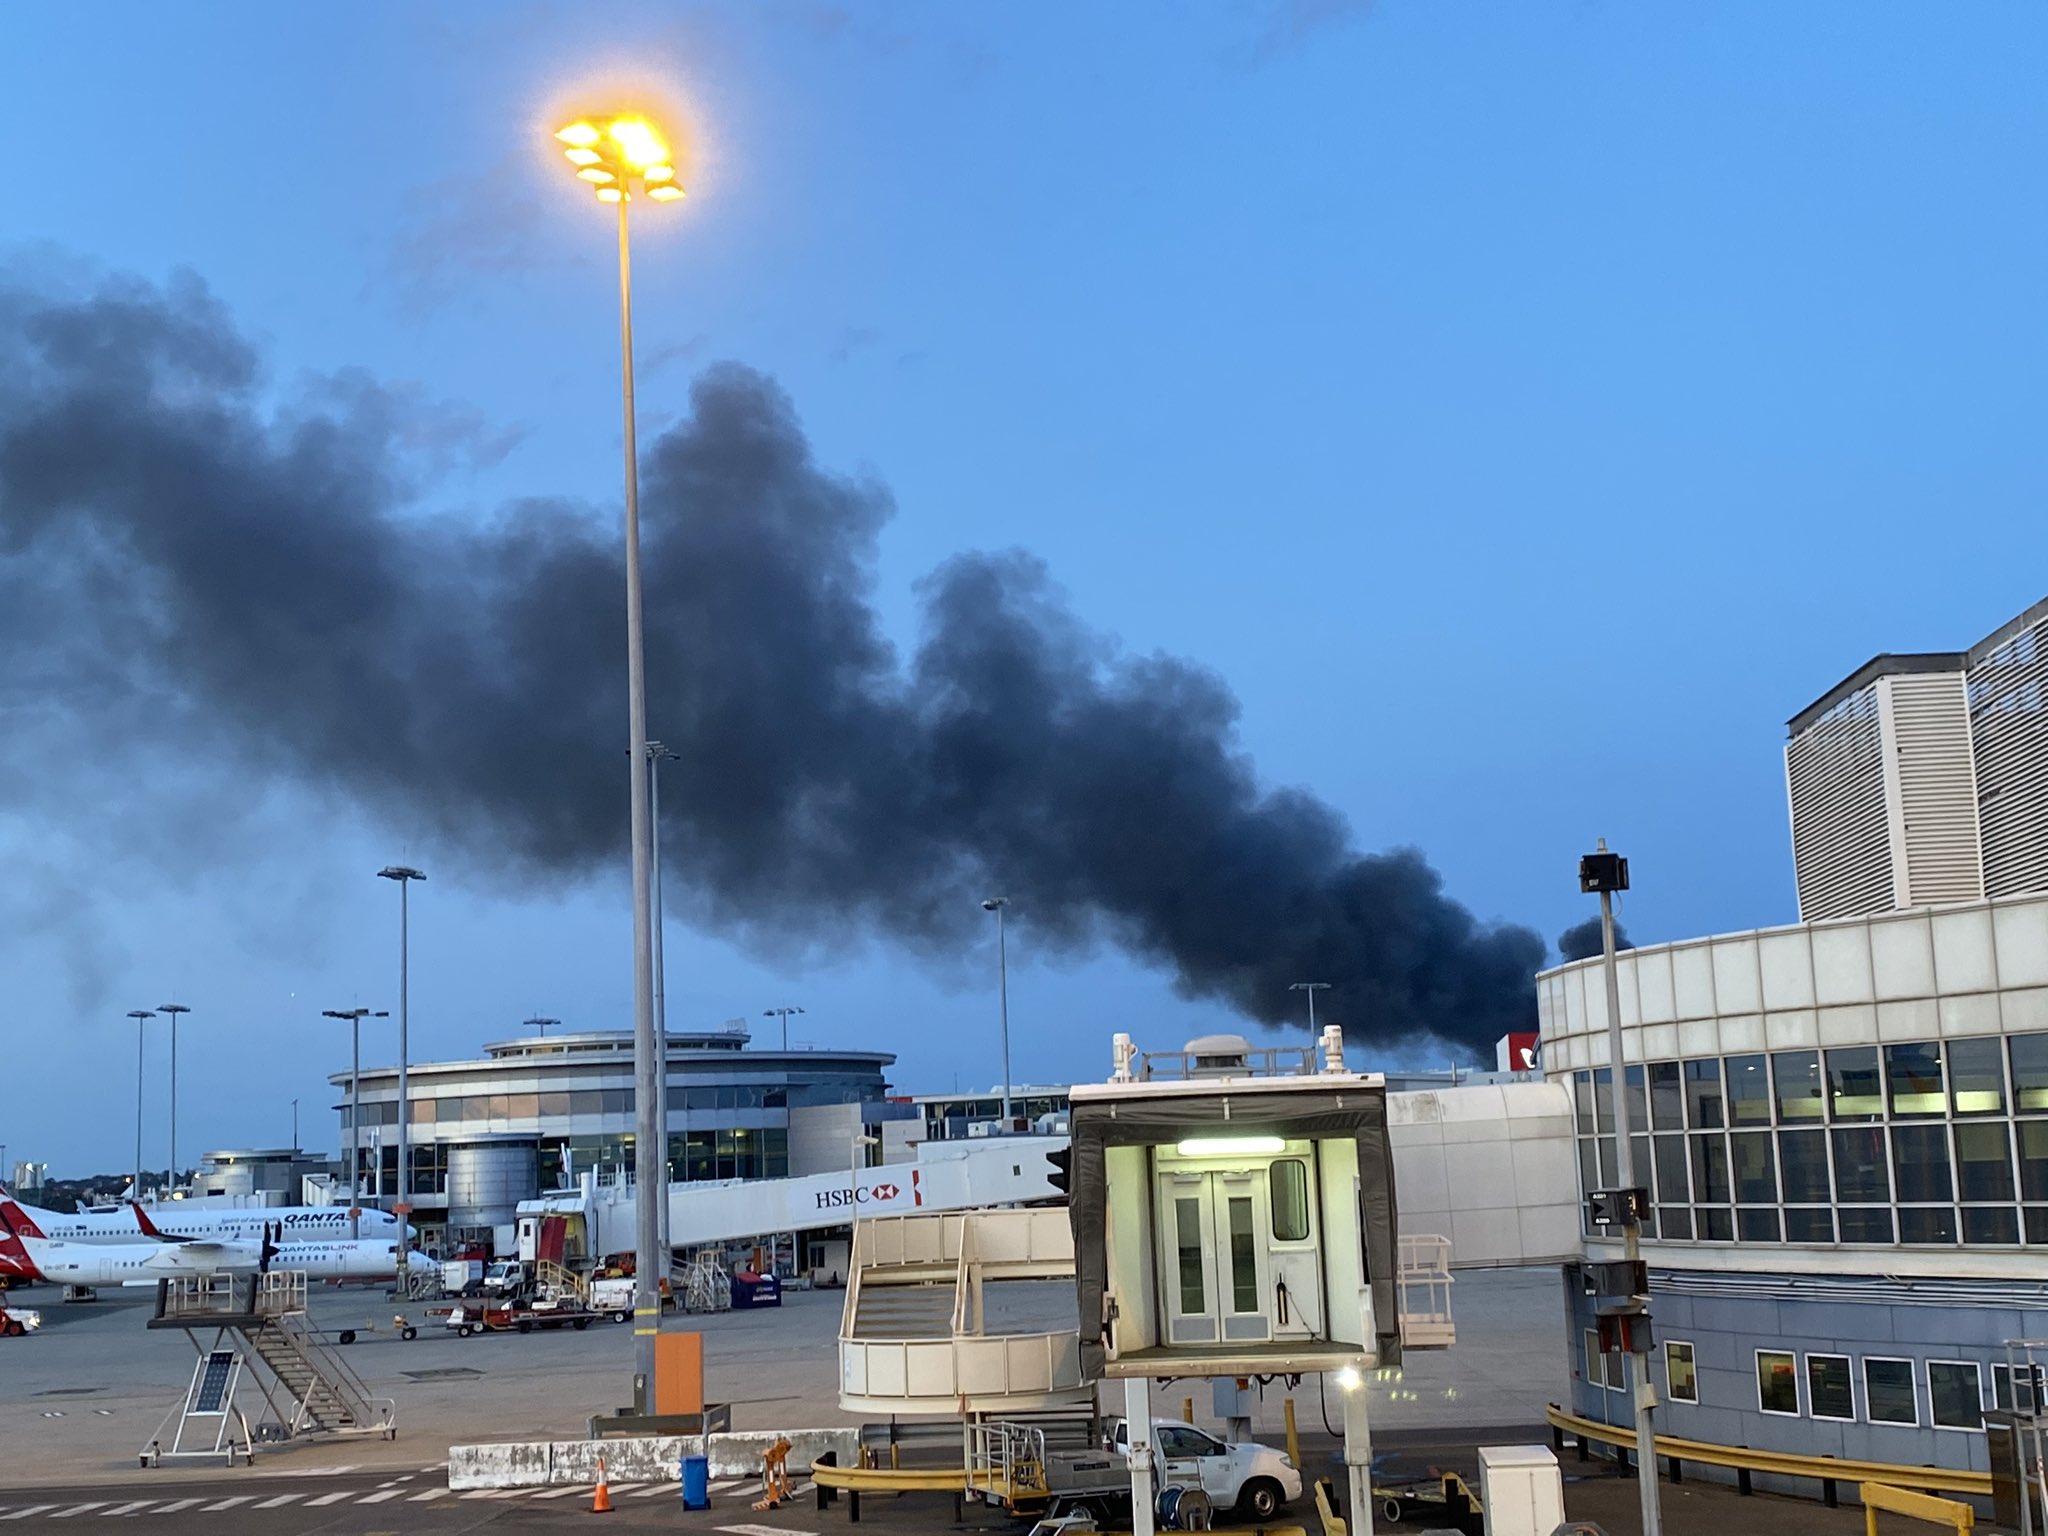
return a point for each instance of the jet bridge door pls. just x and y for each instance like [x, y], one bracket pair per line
[1213, 1260]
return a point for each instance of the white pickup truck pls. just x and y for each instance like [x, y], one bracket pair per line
[1253, 1479]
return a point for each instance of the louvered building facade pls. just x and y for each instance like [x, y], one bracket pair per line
[1921, 780]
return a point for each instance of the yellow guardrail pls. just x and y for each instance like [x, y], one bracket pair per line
[1824, 1469]
[1915, 1506]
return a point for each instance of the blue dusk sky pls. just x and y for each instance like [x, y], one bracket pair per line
[1522, 409]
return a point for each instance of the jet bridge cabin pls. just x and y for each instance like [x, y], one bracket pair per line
[1233, 1217]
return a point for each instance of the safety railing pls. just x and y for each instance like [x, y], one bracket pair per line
[1828, 1471]
[1958, 1517]
[1425, 1292]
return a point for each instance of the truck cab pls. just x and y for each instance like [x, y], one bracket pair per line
[1255, 1479]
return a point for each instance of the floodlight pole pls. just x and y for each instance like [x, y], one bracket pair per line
[1641, 1391]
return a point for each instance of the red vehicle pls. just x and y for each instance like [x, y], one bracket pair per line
[476, 1317]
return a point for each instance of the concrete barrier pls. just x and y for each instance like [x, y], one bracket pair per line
[652, 1459]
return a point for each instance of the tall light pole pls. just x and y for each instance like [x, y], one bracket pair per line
[355, 1017]
[997, 905]
[139, 1015]
[657, 754]
[782, 1014]
[620, 156]
[295, 1125]
[1607, 873]
[171, 1011]
[1309, 988]
[404, 874]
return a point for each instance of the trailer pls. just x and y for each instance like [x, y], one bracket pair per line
[16, 1321]
[476, 1317]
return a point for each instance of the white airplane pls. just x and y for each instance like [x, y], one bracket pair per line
[173, 1218]
[154, 1258]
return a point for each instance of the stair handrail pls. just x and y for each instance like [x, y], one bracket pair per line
[338, 1376]
[963, 1281]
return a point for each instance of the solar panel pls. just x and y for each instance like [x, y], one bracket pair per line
[213, 1385]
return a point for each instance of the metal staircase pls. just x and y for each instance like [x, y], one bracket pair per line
[922, 1311]
[306, 1384]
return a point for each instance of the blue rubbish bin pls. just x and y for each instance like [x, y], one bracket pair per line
[696, 1482]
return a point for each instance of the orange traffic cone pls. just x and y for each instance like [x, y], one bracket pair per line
[602, 1503]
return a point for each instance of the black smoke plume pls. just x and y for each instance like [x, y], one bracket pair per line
[1582, 941]
[175, 546]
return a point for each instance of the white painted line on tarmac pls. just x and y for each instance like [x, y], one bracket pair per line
[726, 1482]
[77, 1509]
[652, 1489]
[23, 1514]
[391, 1493]
[493, 1493]
[560, 1493]
[327, 1498]
[177, 1504]
[318, 1471]
[431, 1493]
[126, 1509]
[763, 1530]
[217, 1504]
[281, 1499]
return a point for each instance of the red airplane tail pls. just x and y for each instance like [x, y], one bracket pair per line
[17, 1221]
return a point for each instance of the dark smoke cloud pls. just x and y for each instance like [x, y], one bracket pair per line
[172, 543]
[1582, 941]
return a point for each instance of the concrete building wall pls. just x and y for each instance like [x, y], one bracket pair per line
[821, 1138]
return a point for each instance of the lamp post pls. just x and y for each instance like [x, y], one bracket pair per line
[138, 1015]
[295, 1125]
[171, 1011]
[997, 905]
[657, 754]
[1606, 872]
[783, 1014]
[1311, 988]
[620, 156]
[355, 1017]
[541, 1024]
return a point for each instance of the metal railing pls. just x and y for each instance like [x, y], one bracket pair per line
[1259, 1061]
[1424, 1289]
[1828, 1471]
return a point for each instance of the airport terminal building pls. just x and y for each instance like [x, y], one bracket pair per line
[1843, 1124]
[533, 1113]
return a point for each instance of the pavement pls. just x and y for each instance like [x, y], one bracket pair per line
[80, 1399]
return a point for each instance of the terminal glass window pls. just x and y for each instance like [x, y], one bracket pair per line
[1888, 1392]
[1287, 1191]
[1955, 1393]
[1976, 1077]
[1914, 1073]
[1928, 1143]
[1920, 1164]
[1679, 1379]
[1749, 1091]
[1828, 1393]
[1667, 1097]
[1777, 1382]
[1796, 1076]
[1703, 1095]
[1984, 1161]
[1854, 1092]
[2029, 1073]
[2016, 1392]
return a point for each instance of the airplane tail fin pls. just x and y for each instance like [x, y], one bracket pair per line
[16, 1220]
[142, 1220]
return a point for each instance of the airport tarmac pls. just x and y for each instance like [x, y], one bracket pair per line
[82, 1397]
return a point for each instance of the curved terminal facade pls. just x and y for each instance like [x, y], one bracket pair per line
[534, 1113]
[1843, 1125]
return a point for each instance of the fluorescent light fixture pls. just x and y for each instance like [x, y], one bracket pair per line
[1229, 1146]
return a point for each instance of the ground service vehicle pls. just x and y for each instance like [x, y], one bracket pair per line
[1253, 1479]
[613, 1298]
[18, 1321]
